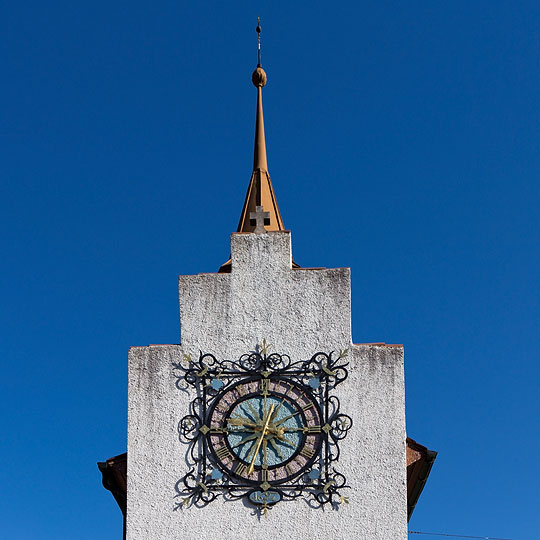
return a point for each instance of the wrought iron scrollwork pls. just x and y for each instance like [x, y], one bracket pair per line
[321, 483]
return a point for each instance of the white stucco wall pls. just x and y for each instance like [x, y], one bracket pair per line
[299, 312]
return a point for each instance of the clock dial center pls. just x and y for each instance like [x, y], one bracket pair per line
[282, 433]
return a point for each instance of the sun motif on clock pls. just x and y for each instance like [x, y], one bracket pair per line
[264, 428]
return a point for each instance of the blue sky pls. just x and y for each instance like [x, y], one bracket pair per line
[403, 141]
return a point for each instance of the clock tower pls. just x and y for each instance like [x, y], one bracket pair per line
[266, 421]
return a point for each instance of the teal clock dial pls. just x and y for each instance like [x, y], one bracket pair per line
[284, 432]
[265, 430]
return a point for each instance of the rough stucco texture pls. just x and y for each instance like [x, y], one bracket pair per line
[299, 312]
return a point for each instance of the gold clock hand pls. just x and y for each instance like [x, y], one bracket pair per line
[241, 422]
[241, 430]
[304, 429]
[263, 433]
[248, 455]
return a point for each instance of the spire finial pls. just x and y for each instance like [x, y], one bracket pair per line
[259, 41]
[259, 75]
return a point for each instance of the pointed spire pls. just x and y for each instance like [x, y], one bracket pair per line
[260, 191]
[260, 198]
[259, 152]
[259, 80]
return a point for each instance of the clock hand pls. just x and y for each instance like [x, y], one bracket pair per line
[263, 433]
[241, 422]
[304, 429]
[248, 455]
[241, 430]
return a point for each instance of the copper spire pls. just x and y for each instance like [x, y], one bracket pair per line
[259, 152]
[259, 80]
[260, 191]
[260, 198]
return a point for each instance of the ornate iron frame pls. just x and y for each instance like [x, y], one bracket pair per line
[211, 378]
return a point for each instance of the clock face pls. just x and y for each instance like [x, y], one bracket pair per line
[265, 430]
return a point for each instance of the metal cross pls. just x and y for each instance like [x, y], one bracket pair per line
[260, 218]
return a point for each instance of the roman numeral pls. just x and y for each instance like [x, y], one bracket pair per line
[241, 469]
[307, 407]
[312, 429]
[223, 453]
[265, 386]
[307, 452]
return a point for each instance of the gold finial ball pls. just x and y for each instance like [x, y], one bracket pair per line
[259, 77]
